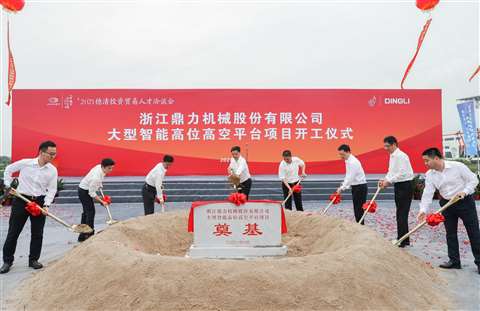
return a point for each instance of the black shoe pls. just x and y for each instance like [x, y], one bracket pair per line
[35, 264]
[5, 268]
[82, 237]
[450, 265]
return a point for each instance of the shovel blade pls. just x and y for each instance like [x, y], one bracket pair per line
[82, 228]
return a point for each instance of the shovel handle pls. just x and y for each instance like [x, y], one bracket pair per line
[18, 195]
[329, 205]
[290, 194]
[369, 205]
[452, 201]
[107, 207]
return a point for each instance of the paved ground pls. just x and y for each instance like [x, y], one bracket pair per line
[429, 244]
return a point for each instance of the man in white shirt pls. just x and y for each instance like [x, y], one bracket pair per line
[239, 168]
[452, 179]
[354, 178]
[288, 174]
[400, 174]
[87, 193]
[38, 182]
[153, 188]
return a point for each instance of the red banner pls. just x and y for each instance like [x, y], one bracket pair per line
[137, 127]
[12, 73]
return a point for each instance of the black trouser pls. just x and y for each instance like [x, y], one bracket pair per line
[148, 194]
[403, 200]
[88, 215]
[245, 187]
[359, 197]
[18, 218]
[467, 212]
[297, 197]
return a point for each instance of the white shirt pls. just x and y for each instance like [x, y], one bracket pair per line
[289, 171]
[33, 180]
[155, 178]
[354, 174]
[240, 168]
[456, 177]
[399, 167]
[93, 180]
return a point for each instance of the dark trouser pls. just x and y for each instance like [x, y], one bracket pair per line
[466, 211]
[148, 194]
[245, 187]
[18, 218]
[297, 197]
[88, 215]
[359, 197]
[403, 200]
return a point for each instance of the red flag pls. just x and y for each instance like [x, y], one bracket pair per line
[12, 74]
[419, 45]
[474, 74]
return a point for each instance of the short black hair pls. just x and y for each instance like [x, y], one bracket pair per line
[391, 140]
[235, 148]
[44, 146]
[168, 158]
[432, 153]
[286, 153]
[344, 147]
[107, 162]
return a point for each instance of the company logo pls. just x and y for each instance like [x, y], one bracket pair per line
[396, 101]
[372, 101]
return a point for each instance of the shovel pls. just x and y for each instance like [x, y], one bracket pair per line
[81, 228]
[110, 220]
[369, 205]
[452, 201]
[290, 194]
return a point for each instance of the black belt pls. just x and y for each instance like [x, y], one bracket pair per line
[32, 197]
[358, 185]
[150, 188]
[402, 182]
[467, 197]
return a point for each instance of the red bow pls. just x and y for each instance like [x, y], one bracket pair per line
[107, 199]
[164, 196]
[297, 188]
[336, 197]
[434, 219]
[237, 198]
[33, 209]
[373, 206]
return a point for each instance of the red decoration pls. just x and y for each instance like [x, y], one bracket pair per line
[426, 5]
[336, 197]
[372, 204]
[297, 188]
[434, 219]
[237, 198]
[164, 198]
[13, 5]
[107, 199]
[33, 209]
[474, 74]
[12, 73]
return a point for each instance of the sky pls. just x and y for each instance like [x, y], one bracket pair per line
[241, 44]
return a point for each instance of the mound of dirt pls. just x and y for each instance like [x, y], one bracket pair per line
[139, 264]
